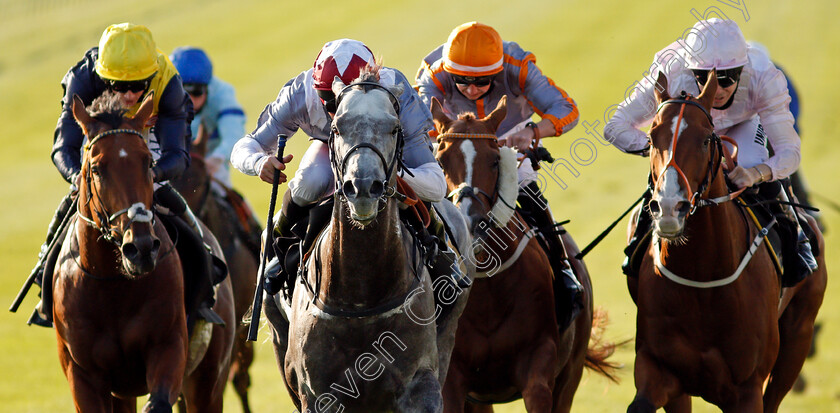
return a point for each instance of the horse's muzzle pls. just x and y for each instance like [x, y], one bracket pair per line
[139, 252]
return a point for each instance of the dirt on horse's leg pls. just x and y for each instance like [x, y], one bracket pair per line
[535, 376]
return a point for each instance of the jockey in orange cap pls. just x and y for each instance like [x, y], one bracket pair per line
[470, 73]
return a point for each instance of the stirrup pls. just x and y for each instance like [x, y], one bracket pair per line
[38, 318]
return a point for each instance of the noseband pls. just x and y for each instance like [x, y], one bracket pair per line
[711, 170]
[136, 213]
[396, 159]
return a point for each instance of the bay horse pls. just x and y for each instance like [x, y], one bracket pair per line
[195, 185]
[359, 334]
[118, 288]
[710, 321]
[508, 344]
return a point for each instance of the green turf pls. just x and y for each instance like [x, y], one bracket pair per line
[594, 49]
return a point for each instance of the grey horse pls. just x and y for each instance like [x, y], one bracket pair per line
[360, 333]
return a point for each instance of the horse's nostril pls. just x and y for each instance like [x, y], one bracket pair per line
[129, 250]
[349, 189]
[683, 207]
[377, 188]
[654, 207]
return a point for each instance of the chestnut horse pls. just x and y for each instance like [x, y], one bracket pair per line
[119, 290]
[194, 184]
[508, 344]
[710, 322]
[360, 334]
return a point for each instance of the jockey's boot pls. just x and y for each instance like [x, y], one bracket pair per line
[805, 262]
[57, 224]
[287, 234]
[568, 291]
[447, 262]
[169, 198]
[638, 242]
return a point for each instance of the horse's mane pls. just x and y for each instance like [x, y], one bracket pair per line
[467, 116]
[108, 109]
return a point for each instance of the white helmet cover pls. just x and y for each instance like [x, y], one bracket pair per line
[715, 44]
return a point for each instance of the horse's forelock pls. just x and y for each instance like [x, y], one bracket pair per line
[108, 109]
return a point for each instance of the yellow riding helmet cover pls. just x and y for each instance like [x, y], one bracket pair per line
[127, 52]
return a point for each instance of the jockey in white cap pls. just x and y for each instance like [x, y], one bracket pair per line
[750, 106]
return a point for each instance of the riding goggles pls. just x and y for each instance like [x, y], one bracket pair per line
[725, 78]
[478, 81]
[195, 89]
[123, 86]
[328, 97]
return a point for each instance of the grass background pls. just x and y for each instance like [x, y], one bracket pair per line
[594, 49]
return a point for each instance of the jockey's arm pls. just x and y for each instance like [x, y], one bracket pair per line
[282, 116]
[622, 130]
[172, 129]
[559, 111]
[230, 122]
[68, 137]
[416, 120]
[776, 119]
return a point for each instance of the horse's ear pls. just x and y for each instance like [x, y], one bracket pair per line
[660, 89]
[144, 113]
[199, 144]
[707, 95]
[495, 118]
[81, 115]
[337, 86]
[442, 122]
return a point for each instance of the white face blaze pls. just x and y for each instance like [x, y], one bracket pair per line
[670, 194]
[468, 150]
[123, 153]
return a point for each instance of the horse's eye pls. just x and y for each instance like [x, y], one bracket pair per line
[94, 169]
[395, 131]
[496, 163]
[335, 131]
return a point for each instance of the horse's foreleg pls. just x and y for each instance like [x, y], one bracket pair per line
[536, 375]
[454, 390]
[243, 357]
[88, 395]
[165, 365]
[796, 331]
[422, 394]
[679, 404]
[119, 405]
[655, 387]
[749, 401]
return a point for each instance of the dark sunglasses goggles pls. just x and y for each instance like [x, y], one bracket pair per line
[726, 78]
[123, 86]
[195, 89]
[479, 81]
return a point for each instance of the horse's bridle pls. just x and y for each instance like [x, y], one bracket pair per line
[715, 159]
[136, 213]
[470, 191]
[339, 167]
